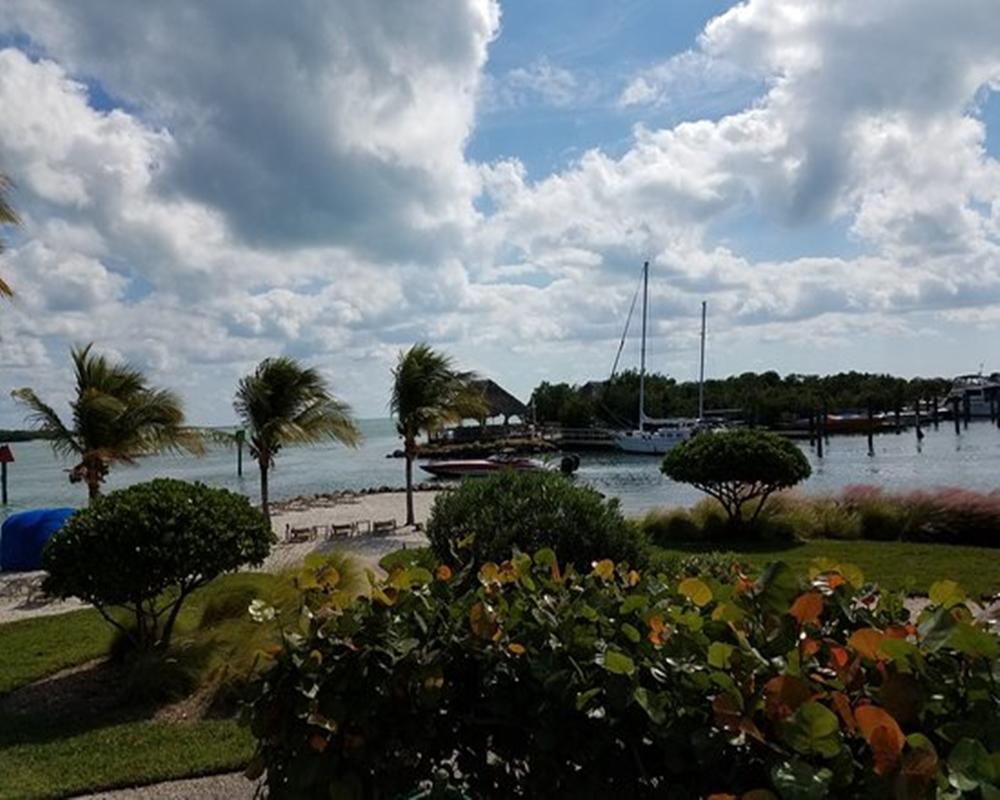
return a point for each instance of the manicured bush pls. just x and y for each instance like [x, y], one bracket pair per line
[489, 518]
[665, 526]
[737, 468]
[147, 547]
[537, 681]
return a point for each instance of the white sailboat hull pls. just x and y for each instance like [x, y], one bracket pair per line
[652, 442]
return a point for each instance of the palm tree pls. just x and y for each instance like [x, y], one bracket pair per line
[117, 418]
[7, 217]
[428, 393]
[283, 402]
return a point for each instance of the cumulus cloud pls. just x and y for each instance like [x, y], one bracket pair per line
[206, 184]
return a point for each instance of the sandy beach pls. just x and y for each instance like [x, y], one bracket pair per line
[21, 596]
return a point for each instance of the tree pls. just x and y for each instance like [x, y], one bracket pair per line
[283, 402]
[428, 393]
[117, 418]
[8, 216]
[147, 547]
[736, 467]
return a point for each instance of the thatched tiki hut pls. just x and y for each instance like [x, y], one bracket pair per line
[501, 403]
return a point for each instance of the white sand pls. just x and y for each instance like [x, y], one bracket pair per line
[21, 596]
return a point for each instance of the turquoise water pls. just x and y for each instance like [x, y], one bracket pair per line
[971, 460]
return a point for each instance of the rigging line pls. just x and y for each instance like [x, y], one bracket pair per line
[621, 344]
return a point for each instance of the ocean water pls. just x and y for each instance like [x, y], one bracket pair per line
[970, 460]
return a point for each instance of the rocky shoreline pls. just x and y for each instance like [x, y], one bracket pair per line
[330, 499]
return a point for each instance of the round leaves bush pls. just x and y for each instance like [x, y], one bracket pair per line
[488, 519]
[147, 547]
[738, 466]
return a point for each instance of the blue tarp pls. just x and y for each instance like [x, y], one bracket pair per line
[24, 535]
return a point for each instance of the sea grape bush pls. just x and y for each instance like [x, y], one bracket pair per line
[531, 679]
[489, 518]
[144, 549]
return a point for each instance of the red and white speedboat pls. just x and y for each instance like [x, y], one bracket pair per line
[474, 467]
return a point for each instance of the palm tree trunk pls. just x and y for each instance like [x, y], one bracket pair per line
[264, 505]
[410, 450]
[93, 479]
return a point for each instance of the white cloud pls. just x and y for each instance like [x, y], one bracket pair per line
[299, 182]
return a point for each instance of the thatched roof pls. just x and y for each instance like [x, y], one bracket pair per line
[501, 403]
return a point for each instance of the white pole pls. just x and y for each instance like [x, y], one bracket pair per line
[701, 372]
[642, 352]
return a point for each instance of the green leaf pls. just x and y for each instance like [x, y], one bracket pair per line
[797, 780]
[719, 654]
[583, 698]
[647, 701]
[813, 728]
[545, 557]
[631, 633]
[632, 603]
[618, 663]
[974, 641]
[970, 766]
[695, 590]
[946, 593]
[777, 587]
[419, 576]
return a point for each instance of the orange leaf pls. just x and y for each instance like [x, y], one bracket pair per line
[443, 573]
[783, 695]
[897, 632]
[839, 657]
[808, 647]
[882, 732]
[657, 630]
[807, 607]
[727, 714]
[843, 708]
[866, 642]
[835, 580]
[517, 649]
[722, 796]
[482, 622]
[918, 769]
[318, 742]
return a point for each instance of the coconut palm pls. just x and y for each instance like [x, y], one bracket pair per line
[283, 402]
[7, 217]
[428, 393]
[117, 418]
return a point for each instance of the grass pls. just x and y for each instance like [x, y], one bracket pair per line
[894, 565]
[42, 762]
[64, 742]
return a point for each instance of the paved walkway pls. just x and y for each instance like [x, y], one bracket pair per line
[230, 786]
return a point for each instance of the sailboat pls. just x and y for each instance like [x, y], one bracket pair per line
[659, 436]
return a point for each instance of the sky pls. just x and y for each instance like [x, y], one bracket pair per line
[203, 185]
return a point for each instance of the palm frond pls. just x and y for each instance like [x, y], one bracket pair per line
[428, 393]
[43, 418]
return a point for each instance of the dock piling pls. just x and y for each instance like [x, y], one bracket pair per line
[957, 415]
[934, 411]
[871, 429]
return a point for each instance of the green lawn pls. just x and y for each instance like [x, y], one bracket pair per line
[47, 751]
[894, 565]
[62, 759]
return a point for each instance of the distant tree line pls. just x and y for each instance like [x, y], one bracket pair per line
[760, 398]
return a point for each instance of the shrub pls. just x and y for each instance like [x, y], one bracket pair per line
[664, 527]
[537, 681]
[489, 518]
[737, 467]
[147, 547]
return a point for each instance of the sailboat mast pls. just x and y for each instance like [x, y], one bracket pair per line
[701, 371]
[642, 352]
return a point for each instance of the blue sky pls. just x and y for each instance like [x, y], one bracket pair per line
[211, 184]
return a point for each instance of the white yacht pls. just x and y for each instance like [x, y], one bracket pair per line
[981, 393]
[658, 436]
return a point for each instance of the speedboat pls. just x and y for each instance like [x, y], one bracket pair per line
[476, 467]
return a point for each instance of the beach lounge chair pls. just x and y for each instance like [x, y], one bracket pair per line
[299, 534]
[384, 527]
[340, 530]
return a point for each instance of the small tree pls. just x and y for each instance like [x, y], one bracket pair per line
[737, 467]
[146, 548]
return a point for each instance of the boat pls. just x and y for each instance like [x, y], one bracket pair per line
[477, 467]
[659, 436]
[979, 393]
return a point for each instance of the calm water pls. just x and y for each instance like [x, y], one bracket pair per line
[971, 460]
